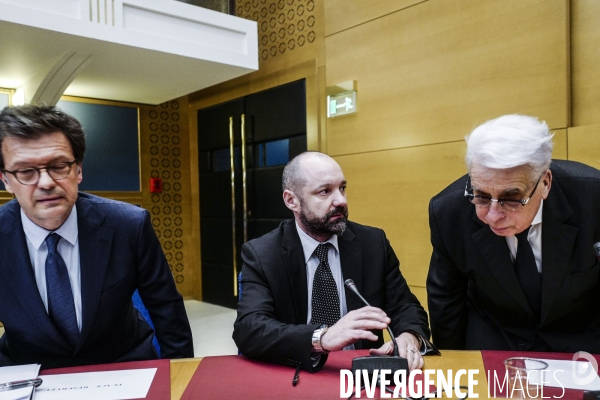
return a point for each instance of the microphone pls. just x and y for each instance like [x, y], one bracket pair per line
[591, 394]
[350, 285]
[597, 250]
[371, 363]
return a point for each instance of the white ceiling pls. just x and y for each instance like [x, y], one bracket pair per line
[118, 70]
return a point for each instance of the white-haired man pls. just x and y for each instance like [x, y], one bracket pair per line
[513, 265]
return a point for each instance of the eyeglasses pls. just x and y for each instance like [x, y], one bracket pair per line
[31, 176]
[486, 201]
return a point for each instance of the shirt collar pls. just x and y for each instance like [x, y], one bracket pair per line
[36, 234]
[538, 217]
[309, 244]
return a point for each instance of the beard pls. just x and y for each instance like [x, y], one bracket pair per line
[321, 225]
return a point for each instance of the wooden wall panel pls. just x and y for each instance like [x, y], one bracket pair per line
[344, 14]
[584, 145]
[432, 72]
[421, 294]
[391, 190]
[560, 145]
[585, 42]
[5, 197]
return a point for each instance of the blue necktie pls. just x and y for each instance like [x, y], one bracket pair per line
[61, 306]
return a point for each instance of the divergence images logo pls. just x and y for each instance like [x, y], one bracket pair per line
[584, 373]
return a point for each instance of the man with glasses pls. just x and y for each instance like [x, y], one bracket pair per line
[513, 264]
[70, 262]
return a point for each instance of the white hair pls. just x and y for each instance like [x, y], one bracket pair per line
[510, 141]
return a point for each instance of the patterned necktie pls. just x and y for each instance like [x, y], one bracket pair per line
[527, 273]
[61, 306]
[325, 298]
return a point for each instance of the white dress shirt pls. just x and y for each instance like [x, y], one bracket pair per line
[309, 246]
[68, 248]
[534, 237]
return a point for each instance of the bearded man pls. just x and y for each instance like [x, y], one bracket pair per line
[294, 309]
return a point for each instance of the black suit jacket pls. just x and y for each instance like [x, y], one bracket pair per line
[271, 320]
[119, 253]
[475, 300]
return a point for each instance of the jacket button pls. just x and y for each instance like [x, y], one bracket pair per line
[521, 346]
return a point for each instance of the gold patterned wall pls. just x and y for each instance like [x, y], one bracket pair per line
[283, 25]
[164, 142]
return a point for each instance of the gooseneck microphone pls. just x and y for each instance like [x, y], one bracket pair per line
[350, 285]
[597, 250]
[370, 364]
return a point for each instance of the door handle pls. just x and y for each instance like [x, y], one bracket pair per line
[233, 221]
[245, 204]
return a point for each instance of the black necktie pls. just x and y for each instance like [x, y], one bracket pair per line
[325, 299]
[527, 273]
[61, 306]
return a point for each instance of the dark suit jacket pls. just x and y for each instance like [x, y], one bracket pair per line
[271, 320]
[119, 253]
[475, 300]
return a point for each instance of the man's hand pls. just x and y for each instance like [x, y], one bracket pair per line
[408, 347]
[354, 326]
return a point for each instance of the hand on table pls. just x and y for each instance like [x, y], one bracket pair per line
[354, 326]
[408, 347]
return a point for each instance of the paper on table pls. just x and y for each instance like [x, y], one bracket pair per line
[569, 374]
[18, 373]
[106, 385]
[17, 394]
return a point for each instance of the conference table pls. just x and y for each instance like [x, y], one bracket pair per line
[224, 377]
[183, 370]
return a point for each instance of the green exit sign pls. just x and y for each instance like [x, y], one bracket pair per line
[341, 104]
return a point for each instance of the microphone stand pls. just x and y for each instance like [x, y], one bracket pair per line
[350, 285]
[371, 363]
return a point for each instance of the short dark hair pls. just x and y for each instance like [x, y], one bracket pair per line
[32, 122]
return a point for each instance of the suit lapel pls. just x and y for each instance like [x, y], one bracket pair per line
[496, 255]
[95, 244]
[16, 268]
[558, 240]
[351, 263]
[293, 258]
